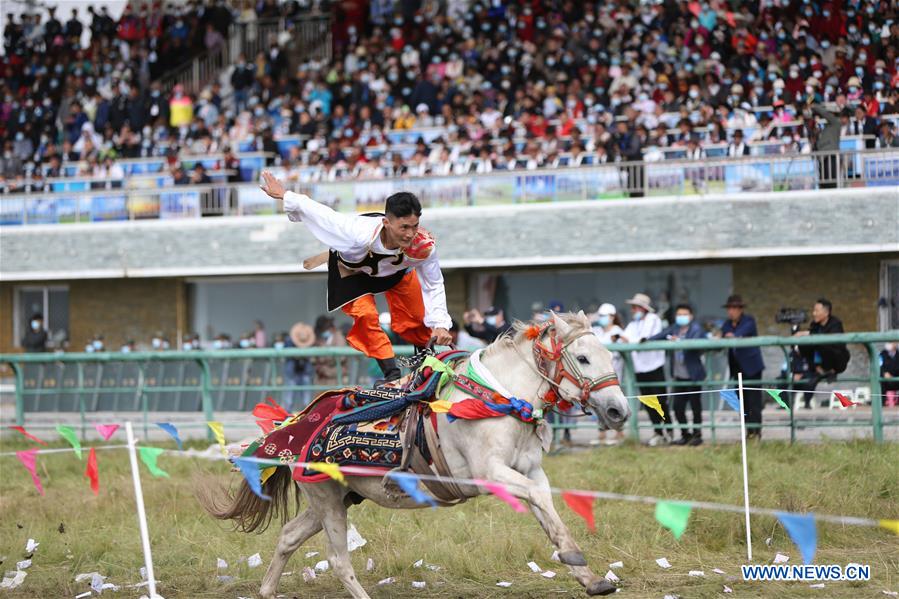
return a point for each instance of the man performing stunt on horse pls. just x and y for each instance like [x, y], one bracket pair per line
[371, 254]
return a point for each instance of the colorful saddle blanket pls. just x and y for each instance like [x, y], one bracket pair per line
[348, 427]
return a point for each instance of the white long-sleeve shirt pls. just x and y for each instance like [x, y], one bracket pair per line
[649, 325]
[354, 236]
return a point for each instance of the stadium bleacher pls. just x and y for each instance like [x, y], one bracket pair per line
[498, 86]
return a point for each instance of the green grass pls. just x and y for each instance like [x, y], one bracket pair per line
[479, 543]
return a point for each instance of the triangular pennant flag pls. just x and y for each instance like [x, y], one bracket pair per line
[106, 430]
[582, 505]
[267, 426]
[730, 398]
[844, 401]
[28, 458]
[149, 455]
[91, 471]
[28, 435]
[171, 430]
[219, 431]
[890, 525]
[250, 471]
[270, 411]
[502, 493]
[441, 406]
[409, 484]
[804, 532]
[68, 433]
[332, 470]
[673, 516]
[775, 393]
[652, 401]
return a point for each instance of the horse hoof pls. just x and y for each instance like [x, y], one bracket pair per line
[572, 558]
[601, 587]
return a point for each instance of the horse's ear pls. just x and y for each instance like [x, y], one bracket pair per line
[583, 318]
[561, 326]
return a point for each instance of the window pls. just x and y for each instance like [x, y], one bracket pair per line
[52, 302]
[888, 312]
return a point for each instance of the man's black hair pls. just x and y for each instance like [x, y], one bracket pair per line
[402, 204]
[826, 303]
[686, 307]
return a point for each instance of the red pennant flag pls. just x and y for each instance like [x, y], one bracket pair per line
[844, 401]
[92, 473]
[106, 430]
[28, 435]
[582, 505]
[29, 460]
[267, 426]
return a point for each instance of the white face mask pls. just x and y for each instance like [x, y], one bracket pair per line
[186, 346]
[36, 325]
[125, 349]
[490, 320]
[244, 343]
[156, 343]
[98, 345]
[279, 345]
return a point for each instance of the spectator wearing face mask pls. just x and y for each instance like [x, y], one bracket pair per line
[327, 335]
[607, 326]
[35, 338]
[95, 345]
[159, 342]
[487, 327]
[649, 366]
[889, 369]
[299, 372]
[687, 368]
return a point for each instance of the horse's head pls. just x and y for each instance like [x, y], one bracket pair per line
[584, 371]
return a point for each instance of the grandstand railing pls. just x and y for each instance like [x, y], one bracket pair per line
[673, 178]
[310, 39]
[235, 380]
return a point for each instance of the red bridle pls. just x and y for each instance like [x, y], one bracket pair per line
[566, 368]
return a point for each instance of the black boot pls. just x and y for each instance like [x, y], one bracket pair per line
[390, 369]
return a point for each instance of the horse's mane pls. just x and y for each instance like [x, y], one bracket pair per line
[519, 328]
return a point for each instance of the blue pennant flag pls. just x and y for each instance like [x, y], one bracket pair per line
[803, 531]
[730, 396]
[251, 473]
[409, 484]
[170, 429]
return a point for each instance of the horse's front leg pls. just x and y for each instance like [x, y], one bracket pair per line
[536, 491]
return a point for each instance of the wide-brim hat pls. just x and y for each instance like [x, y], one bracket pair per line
[302, 335]
[734, 301]
[641, 300]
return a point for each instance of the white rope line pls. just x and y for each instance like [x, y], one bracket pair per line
[721, 507]
[66, 450]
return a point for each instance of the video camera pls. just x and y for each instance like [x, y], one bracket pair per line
[792, 316]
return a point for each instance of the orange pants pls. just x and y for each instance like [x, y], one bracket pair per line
[407, 313]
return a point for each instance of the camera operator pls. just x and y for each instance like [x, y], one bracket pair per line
[822, 361]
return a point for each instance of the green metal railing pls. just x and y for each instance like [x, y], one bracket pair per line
[234, 380]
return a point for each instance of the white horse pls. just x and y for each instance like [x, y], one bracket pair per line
[565, 358]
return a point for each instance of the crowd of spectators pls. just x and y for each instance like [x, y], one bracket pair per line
[509, 84]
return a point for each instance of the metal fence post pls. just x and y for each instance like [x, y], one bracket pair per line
[630, 389]
[876, 399]
[206, 393]
[20, 393]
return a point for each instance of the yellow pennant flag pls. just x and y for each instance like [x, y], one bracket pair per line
[890, 525]
[219, 431]
[652, 401]
[441, 406]
[332, 470]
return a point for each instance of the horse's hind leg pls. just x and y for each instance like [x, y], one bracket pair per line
[327, 500]
[293, 535]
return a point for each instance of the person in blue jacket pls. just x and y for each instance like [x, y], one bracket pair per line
[686, 367]
[747, 360]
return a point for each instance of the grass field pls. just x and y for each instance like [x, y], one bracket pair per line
[475, 545]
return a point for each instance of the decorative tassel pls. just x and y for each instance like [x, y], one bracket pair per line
[532, 332]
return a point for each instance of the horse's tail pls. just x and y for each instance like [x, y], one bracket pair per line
[249, 512]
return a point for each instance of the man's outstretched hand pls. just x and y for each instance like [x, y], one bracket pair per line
[441, 336]
[272, 186]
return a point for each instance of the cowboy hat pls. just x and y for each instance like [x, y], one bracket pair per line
[735, 301]
[641, 300]
[302, 335]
